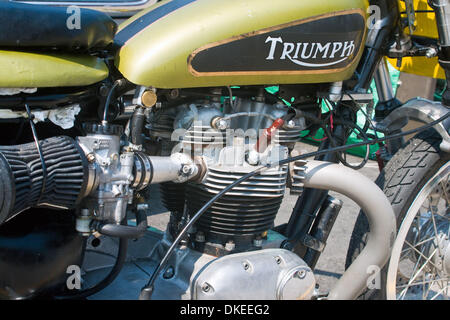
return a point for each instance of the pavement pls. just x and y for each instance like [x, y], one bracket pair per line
[331, 264]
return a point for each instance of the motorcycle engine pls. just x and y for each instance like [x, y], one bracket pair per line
[234, 236]
[205, 145]
[224, 137]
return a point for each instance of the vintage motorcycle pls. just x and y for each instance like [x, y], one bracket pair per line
[207, 98]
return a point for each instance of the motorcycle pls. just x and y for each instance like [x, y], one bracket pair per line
[207, 99]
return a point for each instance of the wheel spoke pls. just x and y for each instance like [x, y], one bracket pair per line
[422, 255]
[413, 272]
[417, 273]
[439, 292]
[420, 283]
[423, 241]
[444, 188]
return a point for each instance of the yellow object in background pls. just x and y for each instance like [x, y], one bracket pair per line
[425, 27]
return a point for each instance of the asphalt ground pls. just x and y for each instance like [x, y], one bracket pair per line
[331, 264]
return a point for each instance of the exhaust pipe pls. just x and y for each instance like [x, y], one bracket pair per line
[379, 213]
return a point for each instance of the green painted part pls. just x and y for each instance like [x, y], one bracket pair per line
[158, 55]
[361, 118]
[37, 70]
[132, 222]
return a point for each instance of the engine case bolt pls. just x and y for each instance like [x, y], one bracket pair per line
[301, 274]
[170, 272]
[206, 287]
[253, 157]
[246, 266]
[230, 245]
[90, 157]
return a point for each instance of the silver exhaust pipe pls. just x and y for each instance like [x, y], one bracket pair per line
[379, 212]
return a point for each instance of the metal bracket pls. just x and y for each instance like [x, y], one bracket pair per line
[313, 243]
[411, 15]
[352, 96]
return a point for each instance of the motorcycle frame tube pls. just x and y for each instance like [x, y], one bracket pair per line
[386, 100]
[322, 227]
[442, 10]
[383, 82]
[311, 201]
[442, 13]
[379, 213]
[307, 205]
[376, 40]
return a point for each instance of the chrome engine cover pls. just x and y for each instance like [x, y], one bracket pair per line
[270, 274]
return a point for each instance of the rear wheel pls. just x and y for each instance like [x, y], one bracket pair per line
[410, 171]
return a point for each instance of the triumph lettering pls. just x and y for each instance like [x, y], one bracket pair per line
[304, 53]
[273, 46]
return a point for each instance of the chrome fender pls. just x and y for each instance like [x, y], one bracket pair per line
[421, 110]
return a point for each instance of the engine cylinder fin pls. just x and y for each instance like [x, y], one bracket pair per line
[247, 210]
[172, 196]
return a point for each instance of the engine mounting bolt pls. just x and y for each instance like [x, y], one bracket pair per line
[175, 93]
[290, 124]
[257, 242]
[200, 237]
[90, 157]
[219, 123]
[431, 53]
[222, 124]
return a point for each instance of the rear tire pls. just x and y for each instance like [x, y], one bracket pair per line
[402, 178]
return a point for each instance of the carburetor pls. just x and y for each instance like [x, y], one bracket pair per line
[117, 169]
[110, 172]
